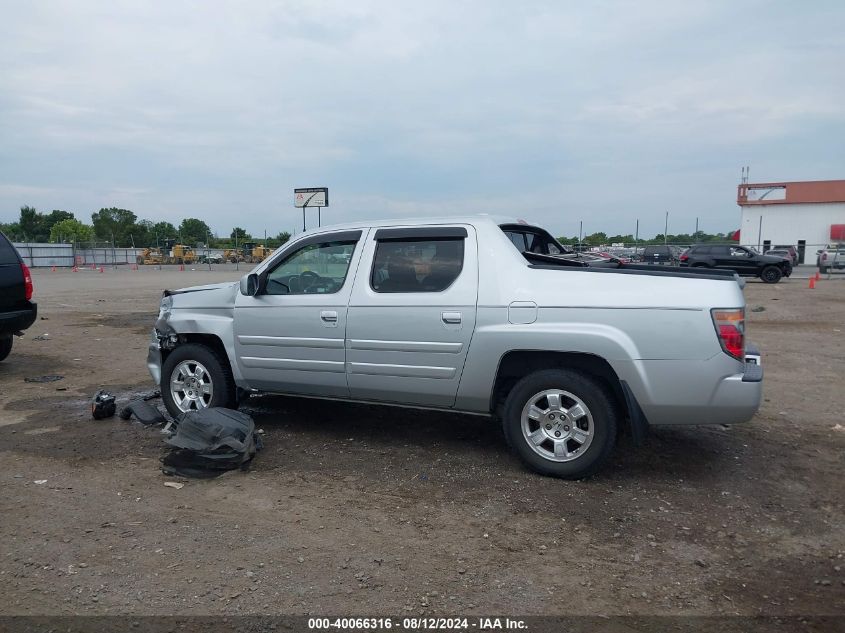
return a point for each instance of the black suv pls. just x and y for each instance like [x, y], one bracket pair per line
[743, 261]
[17, 311]
[660, 254]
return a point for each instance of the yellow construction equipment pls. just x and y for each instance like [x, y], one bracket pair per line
[233, 255]
[257, 253]
[174, 254]
[181, 254]
[150, 256]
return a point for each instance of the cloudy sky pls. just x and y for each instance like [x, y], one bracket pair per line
[553, 111]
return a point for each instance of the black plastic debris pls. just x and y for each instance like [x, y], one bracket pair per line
[209, 442]
[48, 378]
[143, 411]
[102, 405]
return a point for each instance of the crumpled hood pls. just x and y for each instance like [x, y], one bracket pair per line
[208, 296]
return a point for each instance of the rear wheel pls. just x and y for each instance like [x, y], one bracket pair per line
[823, 270]
[771, 274]
[5, 346]
[139, 260]
[195, 377]
[561, 423]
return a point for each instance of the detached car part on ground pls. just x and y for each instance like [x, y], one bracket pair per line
[739, 259]
[450, 315]
[17, 310]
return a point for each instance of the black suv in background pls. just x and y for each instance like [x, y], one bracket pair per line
[743, 261]
[660, 254]
[17, 311]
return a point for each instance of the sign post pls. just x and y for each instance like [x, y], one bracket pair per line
[311, 197]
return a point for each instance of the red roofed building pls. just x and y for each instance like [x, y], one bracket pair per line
[807, 215]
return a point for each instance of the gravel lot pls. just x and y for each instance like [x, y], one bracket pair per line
[356, 509]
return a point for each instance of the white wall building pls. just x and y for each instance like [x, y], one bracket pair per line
[807, 215]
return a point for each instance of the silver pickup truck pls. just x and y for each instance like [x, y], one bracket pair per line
[449, 314]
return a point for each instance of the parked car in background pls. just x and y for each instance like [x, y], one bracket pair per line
[446, 314]
[661, 254]
[17, 310]
[211, 258]
[779, 252]
[743, 261]
[832, 257]
[793, 252]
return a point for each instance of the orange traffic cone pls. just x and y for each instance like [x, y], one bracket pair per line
[53, 269]
[181, 266]
[812, 282]
[101, 269]
[818, 275]
[74, 269]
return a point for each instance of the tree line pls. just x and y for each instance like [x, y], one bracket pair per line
[602, 239]
[122, 228]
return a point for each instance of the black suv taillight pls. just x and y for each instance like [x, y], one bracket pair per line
[27, 281]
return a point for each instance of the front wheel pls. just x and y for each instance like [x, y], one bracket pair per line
[561, 423]
[5, 346]
[195, 377]
[771, 274]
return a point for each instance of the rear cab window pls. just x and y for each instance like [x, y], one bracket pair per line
[417, 261]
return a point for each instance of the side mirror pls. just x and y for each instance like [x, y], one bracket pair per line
[249, 285]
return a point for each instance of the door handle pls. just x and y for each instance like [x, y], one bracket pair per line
[329, 316]
[451, 317]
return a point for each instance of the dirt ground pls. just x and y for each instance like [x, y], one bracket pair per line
[368, 510]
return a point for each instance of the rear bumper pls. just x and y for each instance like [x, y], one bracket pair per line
[18, 320]
[717, 391]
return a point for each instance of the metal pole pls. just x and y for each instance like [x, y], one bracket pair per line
[207, 243]
[237, 255]
[319, 210]
[303, 218]
[696, 224]
[666, 229]
[759, 231]
[580, 234]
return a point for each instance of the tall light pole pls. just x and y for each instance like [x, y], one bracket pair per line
[666, 229]
[580, 234]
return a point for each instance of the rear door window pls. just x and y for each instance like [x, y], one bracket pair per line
[417, 265]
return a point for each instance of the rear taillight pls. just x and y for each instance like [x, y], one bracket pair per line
[730, 326]
[27, 281]
[684, 257]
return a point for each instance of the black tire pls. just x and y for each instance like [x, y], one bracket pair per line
[139, 260]
[823, 270]
[700, 266]
[5, 346]
[223, 393]
[771, 274]
[600, 404]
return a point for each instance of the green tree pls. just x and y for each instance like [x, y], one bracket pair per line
[114, 223]
[71, 230]
[193, 230]
[161, 231]
[283, 237]
[12, 230]
[240, 234]
[30, 223]
[596, 239]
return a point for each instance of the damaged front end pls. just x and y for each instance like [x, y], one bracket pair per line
[163, 339]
